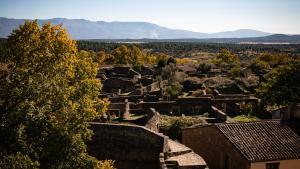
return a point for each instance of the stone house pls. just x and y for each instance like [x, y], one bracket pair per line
[137, 147]
[253, 145]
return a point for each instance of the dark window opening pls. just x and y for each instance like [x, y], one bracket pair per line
[272, 166]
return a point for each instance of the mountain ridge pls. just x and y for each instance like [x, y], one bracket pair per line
[86, 29]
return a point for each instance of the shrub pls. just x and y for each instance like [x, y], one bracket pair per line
[235, 71]
[172, 125]
[204, 67]
[106, 164]
[18, 161]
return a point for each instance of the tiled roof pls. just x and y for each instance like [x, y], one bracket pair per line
[263, 140]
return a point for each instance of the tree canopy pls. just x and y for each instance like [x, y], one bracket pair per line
[48, 96]
[282, 85]
[225, 56]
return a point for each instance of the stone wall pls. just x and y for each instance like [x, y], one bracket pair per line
[193, 105]
[187, 106]
[111, 85]
[152, 87]
[164, 107]
[211, 144]
[130, 98]
[153, 120]
[131, 146]
[221, 116]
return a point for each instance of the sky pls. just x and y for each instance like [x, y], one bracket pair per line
[208, 16]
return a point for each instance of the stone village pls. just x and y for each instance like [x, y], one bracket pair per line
[129, 132]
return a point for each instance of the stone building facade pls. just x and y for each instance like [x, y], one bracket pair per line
[254, 145]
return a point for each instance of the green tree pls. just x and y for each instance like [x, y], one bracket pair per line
[282, 85]
[48, 96]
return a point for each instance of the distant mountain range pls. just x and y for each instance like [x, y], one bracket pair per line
[85, 29]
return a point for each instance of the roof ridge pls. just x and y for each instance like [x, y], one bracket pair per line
[241, 123]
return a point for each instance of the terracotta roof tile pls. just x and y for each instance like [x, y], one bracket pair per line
[263, 140]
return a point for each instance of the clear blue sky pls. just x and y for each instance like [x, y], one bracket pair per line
[275, 16]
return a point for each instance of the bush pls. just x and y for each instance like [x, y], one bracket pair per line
[204, 67]
[260, 67]
[161, 63]
[171, 60]
[235, 71]
[174, 89]
[18, 161]
[106, 164]
[172, 125]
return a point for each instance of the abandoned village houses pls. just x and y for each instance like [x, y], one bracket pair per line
[131, 134]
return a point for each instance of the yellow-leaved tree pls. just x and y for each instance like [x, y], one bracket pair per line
[48, 96]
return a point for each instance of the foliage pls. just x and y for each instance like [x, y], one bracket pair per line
[173, 77]
[244, 118]
[235, 71]
[225, 56]
[282, 85]
[260, 67]
[184, 61]
[123, 55]
[174, 89]
[171, 60]
[106, 164]
[18, 161]
[274, 59]
[48, 96]
[168, 72]
[101, 56]
[161, 60]
[161, 63]
[204, 67]
[184, 49]
[172, 125]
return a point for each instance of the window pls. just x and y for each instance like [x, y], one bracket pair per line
[272, 166]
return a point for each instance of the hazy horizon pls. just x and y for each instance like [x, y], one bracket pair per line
[273, 16]
[137, 22]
